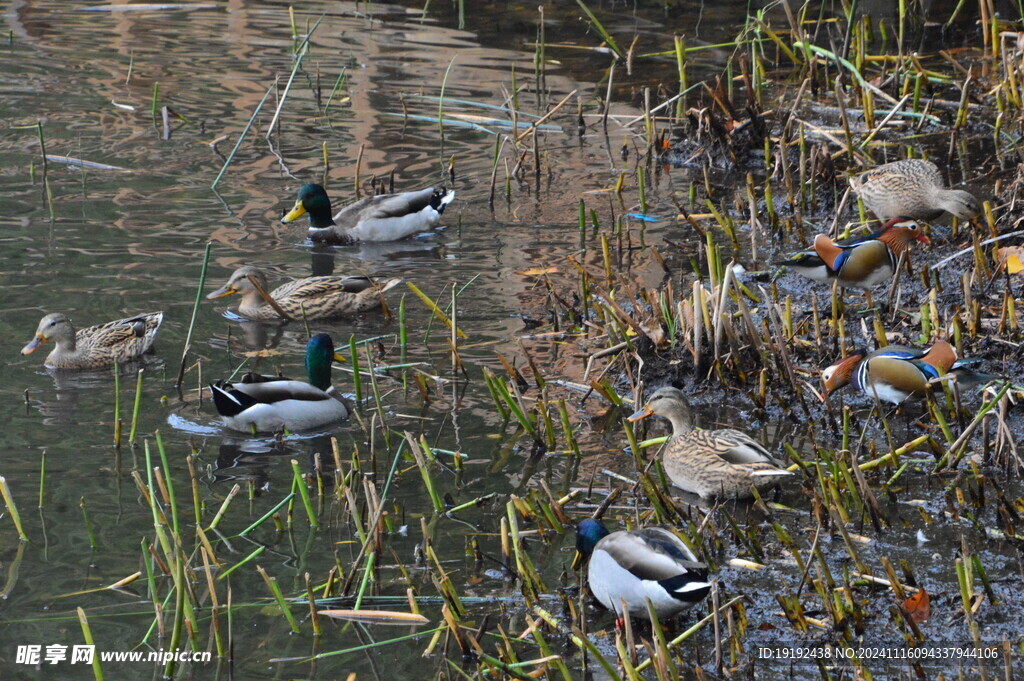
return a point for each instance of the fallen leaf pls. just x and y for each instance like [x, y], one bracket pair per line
[262, 353]
[538, 271]
[1012, 257]
[918, 606]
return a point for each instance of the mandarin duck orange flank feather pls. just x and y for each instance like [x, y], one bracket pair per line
[862, 262]
[895, 373]
[912, 188]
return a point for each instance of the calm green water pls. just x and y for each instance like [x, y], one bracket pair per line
[127, 242]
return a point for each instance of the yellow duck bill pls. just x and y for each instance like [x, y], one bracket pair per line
[297, 211]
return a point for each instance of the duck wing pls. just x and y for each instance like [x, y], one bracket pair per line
[734, 446]
[268, 392]
[315, 287]
[651, 554]
[899, 176]
[131, 336]
[385, 206]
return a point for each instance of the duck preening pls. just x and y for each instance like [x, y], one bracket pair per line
[310, 298]
[626, 568]
[862, 262]
[271, 404]
[912, 188]
[895, 373]
[723, 463]
[387, 217]
[94, 346]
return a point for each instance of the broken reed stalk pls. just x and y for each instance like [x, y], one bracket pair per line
[117, 405]
[241, 138]
[12, 508]
[301, 51]
[136, 409]
[195, 314]
[83, 621]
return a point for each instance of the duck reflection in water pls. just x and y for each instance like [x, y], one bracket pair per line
[254, 461]
[70, 387]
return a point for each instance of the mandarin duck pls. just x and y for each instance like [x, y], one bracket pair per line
[862, 262]
[896, 373]
[626, 568]
[722, 463]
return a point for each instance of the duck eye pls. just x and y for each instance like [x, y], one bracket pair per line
[53, 323]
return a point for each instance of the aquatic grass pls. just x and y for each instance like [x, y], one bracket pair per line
[12, 508]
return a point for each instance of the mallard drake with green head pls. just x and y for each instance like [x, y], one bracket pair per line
[309, 298]
[626, 568]
[269, 404]
[912, 188]
[94, 346]
[723, 463]
[387, 217]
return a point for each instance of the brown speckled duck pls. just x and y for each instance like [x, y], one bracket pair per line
[309, 298]
[912, 188]
[94, 346]
[711, 463]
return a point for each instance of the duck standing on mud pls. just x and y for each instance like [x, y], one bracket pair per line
[895, 373]
[863, 262]
[626, 568]
[912, 188]
[722, 463]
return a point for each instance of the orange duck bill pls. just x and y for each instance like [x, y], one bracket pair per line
[34, 344]
[641, 414]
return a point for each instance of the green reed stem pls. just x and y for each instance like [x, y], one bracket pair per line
[136, 409]
[12, 508]
[300, 482]
[97, 670]
[42, 477]
[195, 314]
[239, 564]
[357, 380]
[88, 523]
[279, 597]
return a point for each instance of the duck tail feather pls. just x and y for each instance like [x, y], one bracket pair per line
[229, 402]
[687, 587]
[441, 198]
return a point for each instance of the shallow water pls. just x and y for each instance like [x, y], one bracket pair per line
[128, 241]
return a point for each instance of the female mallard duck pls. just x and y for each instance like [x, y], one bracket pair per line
[388, 217]
[309, 298]
[628, 567]
[711, 463]
[895, 373]
[863, 262]
[271, 404]
[912, 188]
[94, 346]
